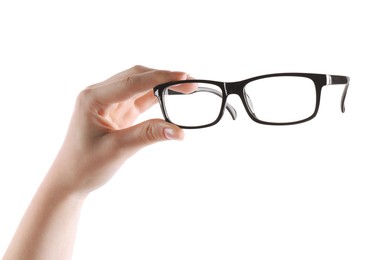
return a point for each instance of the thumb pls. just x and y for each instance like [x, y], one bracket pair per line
[148, 132]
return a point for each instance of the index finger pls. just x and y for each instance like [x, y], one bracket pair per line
[133, 85]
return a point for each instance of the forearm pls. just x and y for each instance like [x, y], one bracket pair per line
[48, 228]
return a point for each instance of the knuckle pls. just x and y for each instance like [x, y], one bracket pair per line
[149, 135]
[86, 96]
[138, 69]
[130, 80]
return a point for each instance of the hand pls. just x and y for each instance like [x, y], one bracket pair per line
[101, 134]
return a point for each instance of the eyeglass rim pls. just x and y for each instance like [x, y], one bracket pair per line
[319, 80]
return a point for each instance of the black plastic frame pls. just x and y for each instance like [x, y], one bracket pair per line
[227, 88]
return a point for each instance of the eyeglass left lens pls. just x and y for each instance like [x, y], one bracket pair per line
[193, 104]
[282, 99]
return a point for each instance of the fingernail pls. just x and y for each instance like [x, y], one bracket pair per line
[170, 134]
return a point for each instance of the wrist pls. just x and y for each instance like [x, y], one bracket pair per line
[62, 179]
[59, 190]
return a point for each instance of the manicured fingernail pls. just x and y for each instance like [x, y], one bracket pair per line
[171, 134]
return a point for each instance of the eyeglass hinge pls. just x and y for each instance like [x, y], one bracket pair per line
[224, 87]
[328, 80]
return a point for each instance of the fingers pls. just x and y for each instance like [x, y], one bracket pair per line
[132, 89]
[145, 102]
[185, 88]
[128, 85]
[133, 70]
[149, 99]
[146, 133]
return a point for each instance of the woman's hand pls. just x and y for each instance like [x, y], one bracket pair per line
[101, 134]
[100, 138]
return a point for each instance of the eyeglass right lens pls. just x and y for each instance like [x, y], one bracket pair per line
[193, 104]
[282, 99]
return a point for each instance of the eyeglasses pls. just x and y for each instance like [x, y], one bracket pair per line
[274, 99]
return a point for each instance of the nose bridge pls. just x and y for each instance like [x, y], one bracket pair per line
[238, 89]
[234, 88]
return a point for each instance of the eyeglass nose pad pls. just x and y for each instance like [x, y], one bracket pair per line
[229, 107]
[231, 110]
[249, 102]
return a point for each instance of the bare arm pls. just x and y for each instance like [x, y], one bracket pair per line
[100, 138]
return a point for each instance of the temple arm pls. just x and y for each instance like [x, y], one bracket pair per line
[334, 80]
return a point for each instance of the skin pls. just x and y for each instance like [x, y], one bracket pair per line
[100, 138]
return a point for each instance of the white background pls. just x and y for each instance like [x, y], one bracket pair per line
[238, 190]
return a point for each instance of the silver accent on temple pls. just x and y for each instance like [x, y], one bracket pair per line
[224, 87]
[328, 80]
